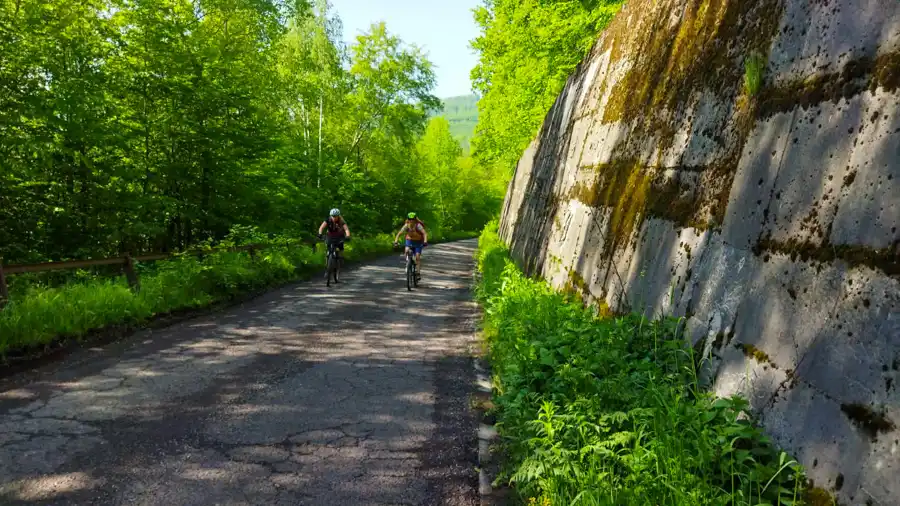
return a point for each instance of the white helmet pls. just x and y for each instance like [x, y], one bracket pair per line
[335, 212]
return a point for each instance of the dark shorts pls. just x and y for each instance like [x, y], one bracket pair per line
[415, 246]
[337, 241]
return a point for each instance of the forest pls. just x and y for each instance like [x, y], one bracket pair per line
[154, 125]
[462, 114]
[139, 126]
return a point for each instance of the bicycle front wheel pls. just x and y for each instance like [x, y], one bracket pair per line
[329, 268]
[410, 275]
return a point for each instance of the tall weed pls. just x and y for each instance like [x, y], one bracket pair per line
[607, 411]
[754, 68]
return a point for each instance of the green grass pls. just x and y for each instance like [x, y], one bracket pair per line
[38, 314]
[607, 411]
[754, 66]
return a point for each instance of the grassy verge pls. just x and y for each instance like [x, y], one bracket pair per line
[596, 410]
[39, 315]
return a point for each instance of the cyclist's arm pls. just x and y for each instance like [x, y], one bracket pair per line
[347, 230]
[424, 233]
[397, 237]
[322, 227]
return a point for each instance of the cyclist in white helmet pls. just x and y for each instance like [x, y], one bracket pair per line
[337, 230]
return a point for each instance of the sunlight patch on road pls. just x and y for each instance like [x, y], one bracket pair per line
[17, 394]
[48, 487]
[253, 409]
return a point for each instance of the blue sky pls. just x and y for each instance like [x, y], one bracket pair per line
[443, 28]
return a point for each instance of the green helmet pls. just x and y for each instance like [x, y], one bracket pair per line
[411, 216]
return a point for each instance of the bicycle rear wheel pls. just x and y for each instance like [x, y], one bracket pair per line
[329, 268]
[410, 274]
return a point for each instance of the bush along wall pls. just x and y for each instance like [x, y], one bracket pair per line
[594, 409]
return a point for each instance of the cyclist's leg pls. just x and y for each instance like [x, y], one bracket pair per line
[419, 247]
[408, 248]
[339, 259]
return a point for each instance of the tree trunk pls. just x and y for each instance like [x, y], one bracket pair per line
[321, 117]
[304, 118]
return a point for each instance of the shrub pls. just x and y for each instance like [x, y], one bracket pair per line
[38, 315]
[598, 410]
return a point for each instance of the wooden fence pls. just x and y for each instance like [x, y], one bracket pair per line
[127, 263]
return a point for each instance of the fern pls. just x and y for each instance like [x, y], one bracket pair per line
[607, 411]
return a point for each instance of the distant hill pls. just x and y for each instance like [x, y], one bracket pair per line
[462, 113]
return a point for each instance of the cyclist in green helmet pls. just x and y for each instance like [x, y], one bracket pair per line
[416, 238]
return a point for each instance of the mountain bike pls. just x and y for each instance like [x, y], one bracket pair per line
[412, 273]
[333, 262]
[412, 270]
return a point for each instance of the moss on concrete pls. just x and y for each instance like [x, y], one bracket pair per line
[634, 191]
[756, 354]
[816, 496]
[855, 77]
[886, 260]
[705, 50]
[872, 422]
[603, 310]
[668, 65]
[576, 286]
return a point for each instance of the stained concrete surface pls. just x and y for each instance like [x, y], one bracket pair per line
[792, 283]
[353, 395]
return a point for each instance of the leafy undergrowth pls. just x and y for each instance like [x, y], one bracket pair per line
[38, 315]
[596, 410]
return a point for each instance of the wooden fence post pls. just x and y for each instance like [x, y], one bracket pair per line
[131, 275]
[4, 290]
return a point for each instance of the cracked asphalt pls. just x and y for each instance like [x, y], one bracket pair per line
[353, 395]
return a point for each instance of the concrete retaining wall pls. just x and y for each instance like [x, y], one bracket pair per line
[768, 216]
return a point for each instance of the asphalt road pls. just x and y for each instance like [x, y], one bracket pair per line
[353, 395]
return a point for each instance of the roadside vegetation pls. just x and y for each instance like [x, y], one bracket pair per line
[40, 313]
[599, 410]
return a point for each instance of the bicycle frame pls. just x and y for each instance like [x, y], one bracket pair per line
[333, 262]
[412, 270]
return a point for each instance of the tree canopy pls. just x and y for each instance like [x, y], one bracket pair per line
[526, 51]
[137, 125]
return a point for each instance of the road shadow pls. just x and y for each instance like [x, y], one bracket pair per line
[356, 394]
